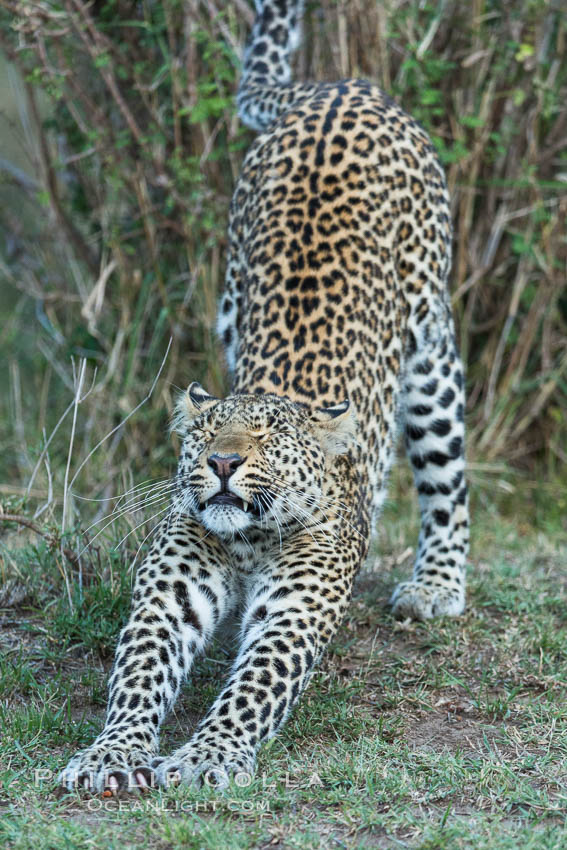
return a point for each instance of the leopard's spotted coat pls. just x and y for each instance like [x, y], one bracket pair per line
[336, 289]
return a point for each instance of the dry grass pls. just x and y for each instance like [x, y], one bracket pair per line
[135, 167]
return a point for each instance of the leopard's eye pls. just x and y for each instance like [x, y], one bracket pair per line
[205, 432]
[278, 432]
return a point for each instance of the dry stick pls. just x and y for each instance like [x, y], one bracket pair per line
[501, 219]
[45, 448]
[142, 196]
[97, 115]
[14, 490]
[19, 427]
[191, 60]
[210, 140]
[23, 180]
[224, 30]
[49, 501]
[126, 418]
[431, 32]
[22, 520]
[466, 213]
[27, 523]
[53, 72]
[176, 88]
[343, 39]
[245, 11]
[382, 39]
[96, 46]
[525, 346]
[93, 305]
[79, 381]
[95, 49]
[75, 237]
[543, 396]
[519, 286]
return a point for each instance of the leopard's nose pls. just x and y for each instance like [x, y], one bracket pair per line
[225, 465]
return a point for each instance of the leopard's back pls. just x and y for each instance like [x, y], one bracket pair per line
[339, 254]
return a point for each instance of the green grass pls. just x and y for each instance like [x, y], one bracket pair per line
[445, 735]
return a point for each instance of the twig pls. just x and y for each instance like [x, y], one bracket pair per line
[126, 418]
[45, 448]
[22, 520]
[74, 236]
[96, 48]
[79, 381]
[29, 184]
[50, 538]
[49, 500]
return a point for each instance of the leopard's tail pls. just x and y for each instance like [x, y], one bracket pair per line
[266, 91]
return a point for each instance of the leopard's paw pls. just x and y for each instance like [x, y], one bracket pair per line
[108, 765]
[203, 765]
[422, 602]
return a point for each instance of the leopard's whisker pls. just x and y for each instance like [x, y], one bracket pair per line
[103, 529]
[138, 487]
[140, 504]
[140, 491]
[149, 519]
[241, 534]
[140, 499]
[300, 521]
[165, 519]
[112, 518]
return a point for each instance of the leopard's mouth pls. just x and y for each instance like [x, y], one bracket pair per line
[233, 501]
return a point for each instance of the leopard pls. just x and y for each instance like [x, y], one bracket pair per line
[337, 327]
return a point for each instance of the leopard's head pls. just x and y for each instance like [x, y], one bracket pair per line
[255, 460]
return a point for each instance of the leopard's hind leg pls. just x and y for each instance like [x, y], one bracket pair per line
[434, 435]
[432, 396]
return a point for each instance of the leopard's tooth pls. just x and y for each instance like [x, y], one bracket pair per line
[245, 505]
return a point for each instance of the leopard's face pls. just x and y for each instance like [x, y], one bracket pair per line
[251, 460]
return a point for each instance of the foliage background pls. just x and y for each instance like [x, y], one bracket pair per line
[119, 149]
[120, 152]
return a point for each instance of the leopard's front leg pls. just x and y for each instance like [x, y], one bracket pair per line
[294, 608]
[182, 590]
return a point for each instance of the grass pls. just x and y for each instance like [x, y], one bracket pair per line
[445, 735]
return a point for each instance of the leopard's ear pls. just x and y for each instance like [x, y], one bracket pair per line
[191, 403]
[335, 427]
